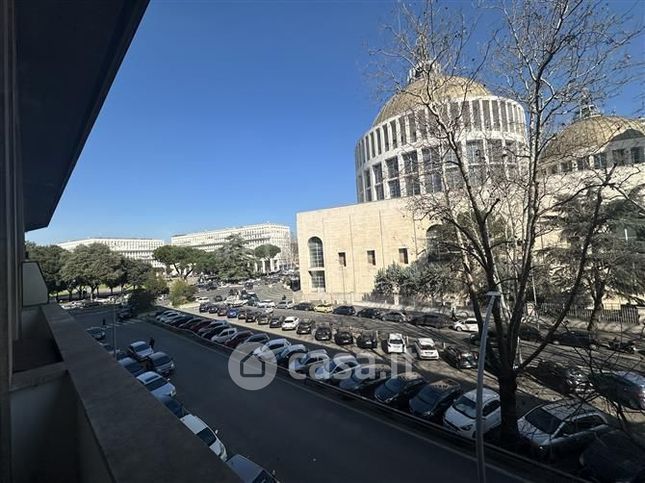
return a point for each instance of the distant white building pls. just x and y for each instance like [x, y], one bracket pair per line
[134, 248]
[254, 235]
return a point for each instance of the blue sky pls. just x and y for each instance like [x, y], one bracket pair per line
[224, 114]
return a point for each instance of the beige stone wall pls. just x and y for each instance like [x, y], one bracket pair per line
[383, 226]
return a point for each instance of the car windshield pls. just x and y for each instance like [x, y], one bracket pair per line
[426, 345]
[140, 347]
[162, 360]
[156, 384]
[396, 341]
[207, 436]
[395, 384]
[429, 396]
[465, 406]
[543, 420]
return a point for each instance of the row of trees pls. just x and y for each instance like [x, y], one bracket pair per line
[231, 261]
[89, 267]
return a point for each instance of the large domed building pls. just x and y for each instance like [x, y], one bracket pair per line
[401, 155]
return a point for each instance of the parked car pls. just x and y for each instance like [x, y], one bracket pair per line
[271, 348]
[240, 337]
[204, 307]
[97, 333]
[343, 337]
[283, 357]
[233, 312]
[576, 338]
[242, 314]
[156, 384]
[224, 335]
[125, 313]
[562, 426]
[564, 378]
[623, 387]
[437, 321]
[367, 340]
[257, 339]
[202, 299]
[139, 350]
[132, 366]
[284, 304]
[460, 416]
[215, 331]
[369, 313]
[425, 348]
[394, 316]
[466, 325]
[213, 325]
[529, 333]
[251, 316]
[398, 390]
[290, 323]
[263, 304]
[305, 327]
[459, 358]
[206, 434]
[336, 369]
[222, 311]
[159, 362]
[395, 344]
[307, 306]
[365, 379]
[276, 322]
[323, 333]
[307, 363]
[324, 308]
[263, 319]
[434, 399]
[614, 456]
[248, 471]
[626, 346]
[344, 310]
[173, 406]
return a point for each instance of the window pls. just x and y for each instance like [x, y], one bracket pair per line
[403, 256]
[318, 279]
[378, 173]
[372, 144]
[386, 139]
[410, 163]
[392, 167]
[618, 157]
[466, 114]
[502, 106]
[342, 259]
[395, 188]
[422, 123]
[403, 136]
[486, 110]
[371, 257]
[380, 194]
[475, 152]
[565, 166]
[368, 194]
[512, 127]
[316, 259]
[477, 120]
[600, 160]
[412, 186]
[637, 154]
[495, 151]
[494, 108]
[378, 140]
[413, 128]
[394, 134]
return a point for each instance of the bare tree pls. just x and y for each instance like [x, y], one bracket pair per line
[549, 57]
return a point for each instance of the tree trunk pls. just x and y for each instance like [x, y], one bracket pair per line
[597, 295]
[111, 290]
[508, 398]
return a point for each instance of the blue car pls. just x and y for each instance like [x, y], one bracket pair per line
[233, 312]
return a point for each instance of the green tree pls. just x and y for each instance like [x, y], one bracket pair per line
[155, 284]
[236, 260]
[115, 274]
[137, 272]
[181, 292]
[182, 259]
[51, 259]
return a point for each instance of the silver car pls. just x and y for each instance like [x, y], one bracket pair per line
[156, 384]
[139, 350]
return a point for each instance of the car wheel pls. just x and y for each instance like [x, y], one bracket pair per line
[458, 329]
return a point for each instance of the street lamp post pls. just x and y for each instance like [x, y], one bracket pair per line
[479, 427]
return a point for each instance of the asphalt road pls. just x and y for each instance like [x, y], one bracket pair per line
[299, 433]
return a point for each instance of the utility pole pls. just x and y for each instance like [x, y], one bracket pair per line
[479, 426]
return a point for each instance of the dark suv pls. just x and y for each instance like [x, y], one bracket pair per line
[623, 387]
[367, 340]
[369, 313]
[323, 333]
[305, 327]
[576, 338]
[303, 306]
[434, 399]
[564, 378]
[438, 321]
[343, 337]
[344, 310]
[459, 358]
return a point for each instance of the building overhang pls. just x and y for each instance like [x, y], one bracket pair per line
[68, 54]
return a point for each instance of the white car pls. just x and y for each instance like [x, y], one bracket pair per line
[290, 323]
[202, 299]
[285, 304]
[265, 304]
[336, 369]
[206, 434]
[395, 344]
[305, 362]
[271, 348]
[158, 385]
[224, 335]
[426, 349]
[460, 417]
[468, 325]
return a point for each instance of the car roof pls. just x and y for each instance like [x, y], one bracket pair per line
[565, 408]
[148, 376]
[408, 376]
[344, 356]
[138, 343]
[632, 377]
[444, 384]
[126, 361]
[291, 318]
[243, 467]
[487, 395]
[396, 335]
[194, 423]
[425, 340]
[281, 340]
[317, 352]
[158, 355]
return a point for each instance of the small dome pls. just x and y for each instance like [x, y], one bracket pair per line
[592, 133]
[453, 88]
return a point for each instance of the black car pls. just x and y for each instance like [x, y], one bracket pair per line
[160, 362]
[394, 316]
[459, 358]
[623, 387]
[304, 306]
[213, 309]
[204, 307]
[437, 321]
[343, 337]
[132, 366]
[276, 322]
[398, 390]
[576, 338]
[367, 340]
[434, 399]
[344, 310]
[262, 319]
[96, 332]
[173, 405]
[323, 333]
[564, 378]
[282, 359]
[369, 313]
[125, 313]
[614, 456]
[530, 333]
[251, 316]
[305, 327]
[241, 315]
[365, 379]
[222, 311]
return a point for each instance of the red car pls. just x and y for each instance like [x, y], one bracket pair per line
[238, 338]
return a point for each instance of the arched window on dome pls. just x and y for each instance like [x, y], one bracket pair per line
[316, 256]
